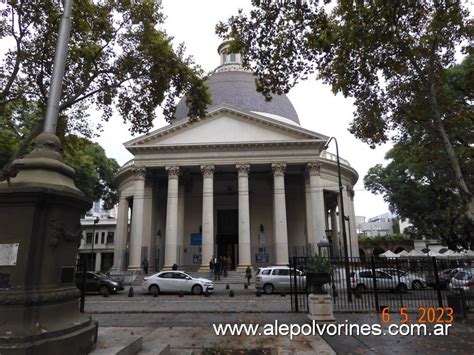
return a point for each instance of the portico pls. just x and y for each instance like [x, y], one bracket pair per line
[276, 191]
[246, 182]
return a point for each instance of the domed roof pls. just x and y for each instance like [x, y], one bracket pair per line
[237, 88]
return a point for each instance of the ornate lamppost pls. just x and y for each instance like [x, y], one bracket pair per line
[344, 235]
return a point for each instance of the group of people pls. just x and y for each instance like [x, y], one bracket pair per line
[219, 267]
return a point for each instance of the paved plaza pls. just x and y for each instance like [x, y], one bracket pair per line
[186, 325]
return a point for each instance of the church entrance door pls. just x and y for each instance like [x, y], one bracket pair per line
[227, 237]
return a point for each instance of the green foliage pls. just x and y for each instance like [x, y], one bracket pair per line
[118, 58]
[318, 264]
[418, 182]
[393, 58]
[389, 238]
[94, 171]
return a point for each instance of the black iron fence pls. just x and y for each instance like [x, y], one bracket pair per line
[379, 283]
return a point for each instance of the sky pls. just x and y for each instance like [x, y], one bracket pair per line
[319, 110]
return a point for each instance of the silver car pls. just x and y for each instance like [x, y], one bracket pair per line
[413, 282]
[363, 280]
[277, 278]
[462, 281]
[175, 282]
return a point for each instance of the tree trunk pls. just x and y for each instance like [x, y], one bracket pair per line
[453, 159]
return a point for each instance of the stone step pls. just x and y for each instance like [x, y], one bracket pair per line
[154, 345]
[117, 341]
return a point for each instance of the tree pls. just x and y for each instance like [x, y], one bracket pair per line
[418, 183]
[390, 56]
[94, 170]
[118, 58]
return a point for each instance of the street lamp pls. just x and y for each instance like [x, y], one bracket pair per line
[328, 233]
[96, 220]
[344, 235]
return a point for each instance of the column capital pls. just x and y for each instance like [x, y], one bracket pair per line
[207, 170]
[314, 168]
[243, 169]
[139, 172]
[279, 169]
[173, 172]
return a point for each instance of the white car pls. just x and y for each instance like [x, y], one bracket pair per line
[413, 282]
[277, 278]
[175, 282]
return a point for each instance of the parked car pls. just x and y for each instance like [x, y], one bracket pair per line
[362, 280]
[176, 282]
[277, 278]
[98, 283]
[443, 277]
[462, 281]
[413, 281]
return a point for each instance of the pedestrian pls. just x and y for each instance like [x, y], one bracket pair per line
[217, 270]
[224, 266]
[211, 267]
[174, 267]
[145, 266]
[248, 274]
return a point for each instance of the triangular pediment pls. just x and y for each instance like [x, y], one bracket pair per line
[225, 125]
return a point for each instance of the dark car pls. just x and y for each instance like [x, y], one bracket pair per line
[98, 283]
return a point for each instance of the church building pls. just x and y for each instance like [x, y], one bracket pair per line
[247, 182]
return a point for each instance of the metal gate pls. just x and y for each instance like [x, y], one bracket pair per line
[379, 283]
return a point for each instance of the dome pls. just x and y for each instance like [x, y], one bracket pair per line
[231, 85]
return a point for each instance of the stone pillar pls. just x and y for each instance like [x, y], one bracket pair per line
[281, 231]
[40, 212]
[98, 261]
[181, 206]
[352, 222]
[137, 220]
[207, 216]
[317, 203]
[309, 213]
[171, 237]
[244, 218]
[120, 239]
[336, 238]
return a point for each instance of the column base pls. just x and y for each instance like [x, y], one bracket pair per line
[320, 308]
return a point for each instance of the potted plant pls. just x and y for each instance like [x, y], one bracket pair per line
[318, 273]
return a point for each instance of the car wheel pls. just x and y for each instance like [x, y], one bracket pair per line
[197, 289]
[417, 285]
[104, 291]
[360, 288]
[268, 289]
[402, 288]
[154, 289]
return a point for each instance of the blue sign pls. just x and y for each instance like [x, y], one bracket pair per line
[196, 239]
[262, 258]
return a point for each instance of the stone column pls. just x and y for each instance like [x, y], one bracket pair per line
[181, 206]
[317, 203]
[335, 236]
[137, 220]
[207, 216]
[244, 218]
[98, 261]
[352, 222]
[281, 231]
[121, 232]
[171, 237]
[309, 213]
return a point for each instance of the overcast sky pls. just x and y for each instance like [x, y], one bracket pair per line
[193, 23]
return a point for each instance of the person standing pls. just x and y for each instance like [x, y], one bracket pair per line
[248, 274]
[211, 267]
[217, 270]
[145, 266]
[224, 266]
